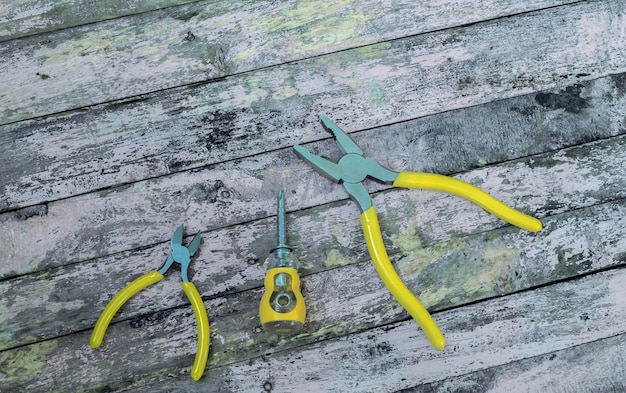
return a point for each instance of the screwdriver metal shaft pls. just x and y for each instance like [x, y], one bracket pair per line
[282, 236]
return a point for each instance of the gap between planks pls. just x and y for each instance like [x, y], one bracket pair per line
[99, 224]
[262, 36]
[484, 335]
[553, 239]
[215, 122]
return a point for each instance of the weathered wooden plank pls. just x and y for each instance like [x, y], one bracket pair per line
[28, 17]
[594, 367]
[48, 159]
[482, 335]
[446, 271]
[393, 357]
[450, 255]
[326, 237]
[101, 223]
[148, 52]
[570, 245]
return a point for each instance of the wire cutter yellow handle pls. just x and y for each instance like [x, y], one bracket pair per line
[465, 190]
[118, 300]
[390, 277]
[202, 320]
[142, 282]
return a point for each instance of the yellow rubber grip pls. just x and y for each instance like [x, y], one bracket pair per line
[390, 277]
[202, 320]
[474, 194]
[118, 300]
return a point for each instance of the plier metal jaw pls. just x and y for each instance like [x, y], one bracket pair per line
[182, 256]
[353, 168]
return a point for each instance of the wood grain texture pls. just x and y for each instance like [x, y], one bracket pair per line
[451, 272]
[394, 356]
[245, 115]
[148, 52]
[28, 17]
[594, 367]
[100, 223]
[118, 125]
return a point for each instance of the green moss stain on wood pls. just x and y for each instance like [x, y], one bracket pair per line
[334, 258]
[326, 27]
[34, 17]
[415, 256]
[480, 337]
[24, 364]
[160, 43]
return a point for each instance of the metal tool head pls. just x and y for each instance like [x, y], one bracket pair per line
[177, 236]
[181, 254]
[195, 244]
[352, 169]
[345, 143]
[323, 166]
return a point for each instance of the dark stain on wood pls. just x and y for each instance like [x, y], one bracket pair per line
[572, 264]
[619, 80]
[568, 99]
[150, 319]
[526, 111]
[178, 165]
[204, 192]
[221, 125]
[29, 212]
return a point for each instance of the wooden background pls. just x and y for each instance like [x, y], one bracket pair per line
[118, 122]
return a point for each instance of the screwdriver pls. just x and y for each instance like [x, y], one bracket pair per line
[282, 309]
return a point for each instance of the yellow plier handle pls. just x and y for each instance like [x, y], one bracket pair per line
[202, 320]
[474, 194]
[118, 301]
[394, 284]
[378, 253]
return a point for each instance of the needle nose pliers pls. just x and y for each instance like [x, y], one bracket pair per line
[181, 255]
[353, 168]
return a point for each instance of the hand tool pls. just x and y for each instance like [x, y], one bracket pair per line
[282, 309]
[353, 168]
[181, 255]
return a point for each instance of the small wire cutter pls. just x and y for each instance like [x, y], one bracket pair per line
[353, 168]
[181, 255]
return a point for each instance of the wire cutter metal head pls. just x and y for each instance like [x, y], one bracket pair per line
[352, 169]
[181, 254]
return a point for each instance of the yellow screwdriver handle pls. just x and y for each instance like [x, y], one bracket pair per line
[282, 309]
[392, 281]
[474, 194]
